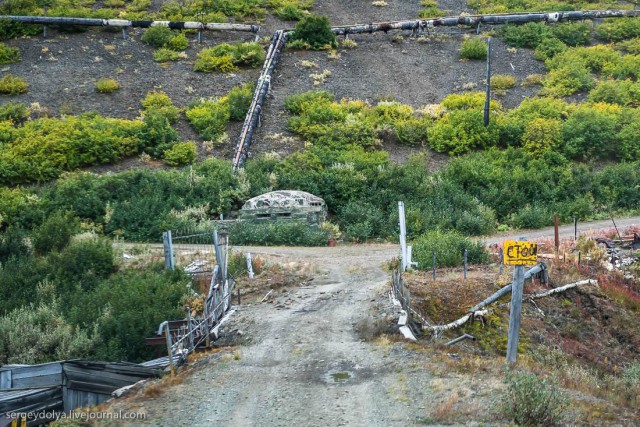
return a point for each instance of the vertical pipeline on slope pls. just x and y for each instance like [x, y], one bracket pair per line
[262, 89]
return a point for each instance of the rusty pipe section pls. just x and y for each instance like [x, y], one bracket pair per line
[252, 119]
[475, 20]
[123, 23]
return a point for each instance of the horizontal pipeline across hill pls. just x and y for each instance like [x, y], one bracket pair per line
[123, 23]
[475, 20]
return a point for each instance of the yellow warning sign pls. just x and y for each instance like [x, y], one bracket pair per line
[520, 253]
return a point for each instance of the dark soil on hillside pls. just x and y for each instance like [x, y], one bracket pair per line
[61, 71]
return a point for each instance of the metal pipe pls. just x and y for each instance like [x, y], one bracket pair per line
[460, 338]
[262, 89]
[94, 22]
[475, 20]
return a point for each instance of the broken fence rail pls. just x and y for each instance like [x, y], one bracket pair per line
[124, 23]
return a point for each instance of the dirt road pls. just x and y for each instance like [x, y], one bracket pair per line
[306, 364]
[565, 231]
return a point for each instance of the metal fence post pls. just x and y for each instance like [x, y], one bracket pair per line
[514, 315]
[167, 244]
[501, 262]
[466, 254]
[190, 328]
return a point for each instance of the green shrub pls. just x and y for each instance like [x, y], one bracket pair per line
[590, 132]
[528, 35]
[157, 135]
[449, 247]
[565, 81]
[291, 12]
[629, 140]
[165, 55]
[628, 67]
[8, 55]
[14, 111]
[226, 58]
[210, 117]
[178, 42]
[106, 85]
[468, 101]
[54, 234]
[431, 12]
[207, 64]
[549, 48]
[573, 33]
[128, 307]
[159, 102]
[296, 103]
[239, 101]
[361, 221]
[413, 132]
[267, 233]
[157, 36]
[10, 85]
[460, 131]
[42, 149]
[619, 29]
[531, 217]
[631, 46]
[542, 135]
[181, 153]
[13, 244]
[473, 48]
[315, 31]
[531, 401]
[41, 334]
[621, 92]
[503, 81]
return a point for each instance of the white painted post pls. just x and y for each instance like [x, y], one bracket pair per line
[249, 266]
[403, 236]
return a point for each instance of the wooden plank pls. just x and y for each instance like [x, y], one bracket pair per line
[402, 321]
[5, 378]
[91, 387]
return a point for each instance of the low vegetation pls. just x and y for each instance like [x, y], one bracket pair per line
[226, 58]
[473, 48]
[12, 85]
[107, 85]
[8, 55]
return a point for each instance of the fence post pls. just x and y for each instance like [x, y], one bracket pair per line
[434, 266]
[501, 262]
[466, 254]
[249, 266]
[403, 235]
[167, 335]
[190, 328]
[167, 244]
[514, 315]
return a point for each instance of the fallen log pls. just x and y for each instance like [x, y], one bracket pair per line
[122, 23]
[475, 20]
[464, 319]
[540, 268]
[563, 288]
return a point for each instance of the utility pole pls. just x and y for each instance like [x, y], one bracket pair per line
[487, 101]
